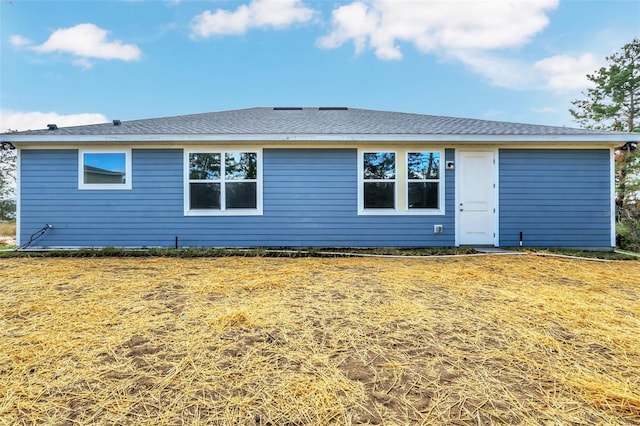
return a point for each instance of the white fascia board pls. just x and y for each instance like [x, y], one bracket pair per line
[319, 138]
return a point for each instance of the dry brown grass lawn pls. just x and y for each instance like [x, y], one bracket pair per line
[7, 232]
[263, 341]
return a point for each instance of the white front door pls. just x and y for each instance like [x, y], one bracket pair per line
[476, 197]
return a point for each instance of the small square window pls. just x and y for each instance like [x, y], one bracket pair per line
[104, 170]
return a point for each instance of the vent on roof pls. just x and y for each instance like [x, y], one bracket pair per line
[287, 109]
[117, 122]
[333, 109]
[52, 126]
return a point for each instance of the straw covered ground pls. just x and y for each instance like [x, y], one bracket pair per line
[309, 341]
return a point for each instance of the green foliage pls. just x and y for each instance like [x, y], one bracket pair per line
[7, 184]
[613, 104]
[7, 209]
[614, 101]
[628, 177]
[628, 228]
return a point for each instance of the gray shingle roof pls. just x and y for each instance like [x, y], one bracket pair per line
[310, 121]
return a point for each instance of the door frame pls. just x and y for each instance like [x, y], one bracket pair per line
[496, 192]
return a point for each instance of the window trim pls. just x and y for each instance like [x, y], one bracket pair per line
[128, 185]
[401, 182]
[223, 211]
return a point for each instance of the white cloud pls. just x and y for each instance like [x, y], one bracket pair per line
[89, 41]
[559, 74]
[83, 63]
[351, 22]
[502, 72]
[19, 41]
[85, 41]
[257, 14]
[476, 33]
[564, 73]
[34, 120]
[442, 25]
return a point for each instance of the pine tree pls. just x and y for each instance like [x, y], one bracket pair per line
[614, 104]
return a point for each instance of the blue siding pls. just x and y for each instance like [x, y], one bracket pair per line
[100, 218]
[556, 198]
[310, 199]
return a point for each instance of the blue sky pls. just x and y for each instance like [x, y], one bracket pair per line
[79, 62]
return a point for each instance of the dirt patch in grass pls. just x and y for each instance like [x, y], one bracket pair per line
[258, 341]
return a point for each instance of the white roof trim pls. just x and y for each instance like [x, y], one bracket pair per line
[366, 138]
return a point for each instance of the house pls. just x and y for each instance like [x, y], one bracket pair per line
[323, 177]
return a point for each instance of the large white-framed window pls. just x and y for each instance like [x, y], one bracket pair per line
[104, 169]
[223, 182]
[401, 181]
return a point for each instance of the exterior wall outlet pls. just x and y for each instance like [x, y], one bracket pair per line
[438, 229]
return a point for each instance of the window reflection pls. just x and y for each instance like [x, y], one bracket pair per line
[379, 165]
[204, 166]
[423, 174]
[423, 165]
[233, 182]
[240, 165]
[105, 168]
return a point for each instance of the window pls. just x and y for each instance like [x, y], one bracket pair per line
[379, 174]
[423, 180]
[404, 181]
[223, 183]
[104, 169]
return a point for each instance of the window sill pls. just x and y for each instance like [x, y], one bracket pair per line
[394, 212]
[104, 187]
[233, 212]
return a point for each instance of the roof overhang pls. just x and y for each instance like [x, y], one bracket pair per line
[613, 138]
